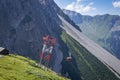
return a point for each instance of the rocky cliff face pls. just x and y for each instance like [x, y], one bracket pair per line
[103, 29]
[113, 41]
[24, 22]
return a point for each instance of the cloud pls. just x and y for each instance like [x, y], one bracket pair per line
[78, 0]
[78, 7]
[116, 4]
[91, 3]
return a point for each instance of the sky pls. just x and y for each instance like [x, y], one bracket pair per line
[91, 7]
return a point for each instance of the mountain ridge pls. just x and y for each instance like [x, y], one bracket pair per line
[101, 29]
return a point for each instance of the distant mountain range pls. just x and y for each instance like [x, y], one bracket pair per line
[23, 23]
[103, 29]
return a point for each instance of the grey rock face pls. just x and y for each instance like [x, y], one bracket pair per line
[114, 43]
[24, 22]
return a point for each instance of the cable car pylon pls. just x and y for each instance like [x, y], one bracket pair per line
[47, 49]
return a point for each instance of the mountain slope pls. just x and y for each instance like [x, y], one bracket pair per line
[104, 56]
[103, 29]
[89, 66]
[19, 68]
[24, 22]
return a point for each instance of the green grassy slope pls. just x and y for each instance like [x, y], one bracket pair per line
[90, 67]
[19, 68]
